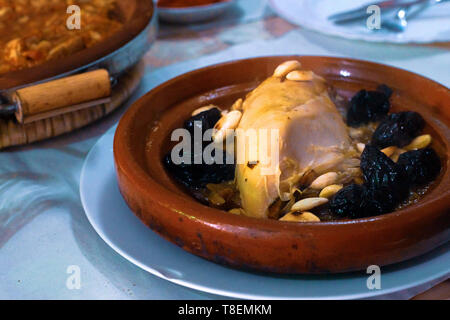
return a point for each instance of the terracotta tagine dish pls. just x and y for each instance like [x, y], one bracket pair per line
[359, 175]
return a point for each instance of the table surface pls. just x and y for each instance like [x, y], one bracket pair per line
[43, 229]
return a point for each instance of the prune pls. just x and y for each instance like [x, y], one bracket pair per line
[367, 106]
[381, 200]
[194, 175]
[350, 202]
[198, 175]
[207, 120]
[422, 166]
[398, 129]
[386, 182]
[385, 89]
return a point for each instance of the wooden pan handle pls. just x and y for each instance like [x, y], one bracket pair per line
[60, 96]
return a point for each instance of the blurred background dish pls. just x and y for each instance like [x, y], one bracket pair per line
[430, 25]
[54, 108]
[192, 11]
[117, 53]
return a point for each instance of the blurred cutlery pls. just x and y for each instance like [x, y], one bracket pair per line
[361, 12]
[399, 23]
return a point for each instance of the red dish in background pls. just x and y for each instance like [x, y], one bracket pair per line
[186, 3]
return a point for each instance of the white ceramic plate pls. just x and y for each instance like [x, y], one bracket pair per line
[430, 26]
[194, 14]
[119, 228]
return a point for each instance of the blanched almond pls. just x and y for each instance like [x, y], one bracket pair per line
[302, 217]
[419, 143]
[330, 191]
[237, 211]
[298, 75]
[237, 105]
[203, 109]
[324, 180]
[361, 147]
[389, 151]
[308, 204]
[286, 67]
[226, 123]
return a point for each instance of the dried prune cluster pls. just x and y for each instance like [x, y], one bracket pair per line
[387, 183]
[385, 89]
[349, 202]
[422, 166]
[368, 106]
[204, 120]
[198, 175]
[384, 175]
[194, 175]
[398, 129]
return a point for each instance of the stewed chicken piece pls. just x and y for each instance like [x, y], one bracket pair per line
[311, 138]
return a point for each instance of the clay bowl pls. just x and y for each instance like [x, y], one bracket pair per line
[143, 138]
[135, 15]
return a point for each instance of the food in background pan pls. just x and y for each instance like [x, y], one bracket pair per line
[186, 3]
[336, 161]
[34, 31]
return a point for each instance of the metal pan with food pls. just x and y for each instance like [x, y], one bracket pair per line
[113, 36]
